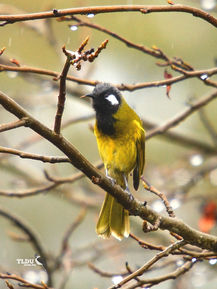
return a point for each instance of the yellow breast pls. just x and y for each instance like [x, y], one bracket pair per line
[119, 152]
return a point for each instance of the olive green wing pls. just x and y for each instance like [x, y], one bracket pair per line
[140, 160]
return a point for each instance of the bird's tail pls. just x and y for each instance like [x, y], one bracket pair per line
[113, 219]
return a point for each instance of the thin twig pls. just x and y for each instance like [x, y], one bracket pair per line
[25, 155]
[161, 195]
[71, 229]
[181, 251]
[47, 187]
[67, 235]
[22, 281]
[146, 245]
[104, 273]
[12, 125]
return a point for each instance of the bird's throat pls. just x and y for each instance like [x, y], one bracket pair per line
[106, 123]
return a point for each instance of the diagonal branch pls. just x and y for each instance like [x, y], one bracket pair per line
[156, 280]
[152, 261]
[183, 115]
[136, 208]
[207, 124]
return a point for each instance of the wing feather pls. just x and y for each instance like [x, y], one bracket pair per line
[140, 160]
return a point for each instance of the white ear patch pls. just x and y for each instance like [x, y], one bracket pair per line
[112, 99]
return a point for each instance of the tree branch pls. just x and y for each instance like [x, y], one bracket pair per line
[145, 9]
[62, 95]
[23, 282]
[32, 237]
[175, 63]
[25, 155]
[55, 183]
[152, 261]
[127, 87]
[173, 275]
[136, 208]
[183, 115]
[12, 125]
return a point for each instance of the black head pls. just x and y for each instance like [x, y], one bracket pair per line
[106, 98]
[106, 102]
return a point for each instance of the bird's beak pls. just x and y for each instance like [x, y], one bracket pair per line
[87, 95]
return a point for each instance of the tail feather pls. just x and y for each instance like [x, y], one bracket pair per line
[113, 219]
[102, 227]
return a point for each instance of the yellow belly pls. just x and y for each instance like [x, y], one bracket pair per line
[118, 154]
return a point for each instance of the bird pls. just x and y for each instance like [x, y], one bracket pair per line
[121, 143]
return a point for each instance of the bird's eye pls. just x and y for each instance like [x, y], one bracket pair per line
[112, 99]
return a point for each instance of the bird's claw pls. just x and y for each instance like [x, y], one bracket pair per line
[113, 181]
[131, 197]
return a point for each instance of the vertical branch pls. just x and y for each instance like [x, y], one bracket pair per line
[61, 96]
[74, 58]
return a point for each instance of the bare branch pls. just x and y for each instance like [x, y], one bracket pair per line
[25, 155]
[67, 235]
[128, 87]
[181, 251]
[173, 275]
[105, 274]
[28, 192]
[147, 265]
[62, 95]
[22, 281]
[162, 196]
[12, 125]
[48, 187]
[175, 63]
[145, 9]
[183, 115]
[72, 228]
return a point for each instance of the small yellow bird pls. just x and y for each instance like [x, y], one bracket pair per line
[121, 143]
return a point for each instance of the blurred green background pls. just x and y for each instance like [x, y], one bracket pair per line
[169, 165]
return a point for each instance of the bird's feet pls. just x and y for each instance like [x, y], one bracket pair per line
[131, 197]
[113, 181]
